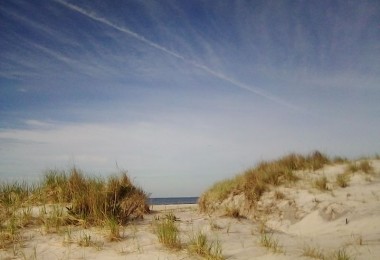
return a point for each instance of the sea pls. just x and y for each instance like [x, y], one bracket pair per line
[173, 200]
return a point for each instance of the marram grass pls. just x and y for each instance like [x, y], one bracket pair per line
[74, 198]
[255, 181]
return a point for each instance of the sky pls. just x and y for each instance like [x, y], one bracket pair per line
[184, 93]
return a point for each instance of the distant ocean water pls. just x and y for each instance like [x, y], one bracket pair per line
[173, 200]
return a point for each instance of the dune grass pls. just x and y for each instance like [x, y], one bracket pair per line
[220, 191]
[10, 233]
[342, 180]
[199, 245]
[321, 183]
[94, 199]
[232, 212]
[341, 254]
[167, 232]
[317, 253]
[267, 240]
[69, 198]
[255, 181]
[363, 166]
[114, 229]
[313, 252]
[278, 195]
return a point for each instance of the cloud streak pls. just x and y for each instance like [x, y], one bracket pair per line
[219, 75]
[175, 91]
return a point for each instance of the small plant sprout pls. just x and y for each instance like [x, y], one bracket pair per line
[271, 243]
[85, 240]
[313, 252]
[321, 183]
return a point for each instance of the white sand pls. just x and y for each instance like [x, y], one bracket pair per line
[305, 217]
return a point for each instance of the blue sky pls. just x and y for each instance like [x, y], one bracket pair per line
[184, 93]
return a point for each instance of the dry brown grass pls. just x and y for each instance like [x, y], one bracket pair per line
[321, 183]
[233, 212]
[279, 195]
[342, 180]
[255, 181]
[88, 201]
[219, 192]
[366, 167]
[96, 200]
[363, 166]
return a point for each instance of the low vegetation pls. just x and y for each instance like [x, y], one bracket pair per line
[255, 181]
[114, 229]
[64, 198]
[341, 254]
[313, 252]
[342, 180]
[317, 253]
[363, 166]
[94, 199]
[199, 245]
[232, 213]
[167, 232]
[268, 175]
[321, 183]
[267, 240]
[278, 195]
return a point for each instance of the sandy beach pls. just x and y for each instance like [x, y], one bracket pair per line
[304, 223]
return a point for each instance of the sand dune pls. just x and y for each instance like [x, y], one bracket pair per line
[304, 221]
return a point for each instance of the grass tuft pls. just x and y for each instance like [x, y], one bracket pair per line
[321, 183]
[271, 243]
[313, 252]
[95, 200]
[279, 195]
[341, 254]
[364, 166]
[85, 240]
[171, 217]
[339, 159]
[199, 245]
[342, 180]
[167, 233]
[232, 212]
[114, 229]
[54, 219]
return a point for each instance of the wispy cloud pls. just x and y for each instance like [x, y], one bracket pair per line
[36, 57]
[180, 89]
[38, 124]
[202, 67]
